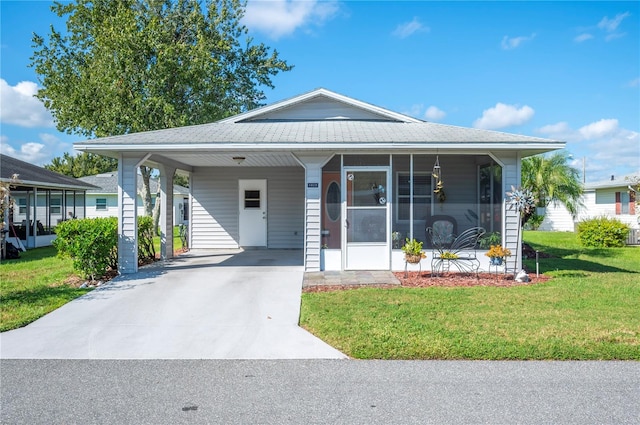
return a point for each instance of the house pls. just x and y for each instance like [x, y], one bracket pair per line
[103, 200]
[334, 176]
[40, 199]
[612, 198]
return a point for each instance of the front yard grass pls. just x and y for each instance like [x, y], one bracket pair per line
[34, 285]
[589, 310]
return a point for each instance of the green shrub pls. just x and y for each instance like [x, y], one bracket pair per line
[92, 244]
[488, 239]
[603, 232]
[146, 250]
[534, 222]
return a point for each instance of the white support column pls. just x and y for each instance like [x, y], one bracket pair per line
[511, 219]
[166, 211]
[313, 195]
[127, 213]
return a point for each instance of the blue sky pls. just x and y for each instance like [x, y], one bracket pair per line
[564, 70]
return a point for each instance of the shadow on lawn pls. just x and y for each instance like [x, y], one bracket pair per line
[574, 265]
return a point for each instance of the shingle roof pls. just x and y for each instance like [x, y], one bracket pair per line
[622, 181]
[320, 132]
[108, 183]
[32, 175]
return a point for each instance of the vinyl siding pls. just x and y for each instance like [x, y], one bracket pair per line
[214, 219]
[320, 108]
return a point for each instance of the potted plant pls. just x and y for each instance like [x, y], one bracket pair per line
[497, 254]
[448, 255]
[413, 252]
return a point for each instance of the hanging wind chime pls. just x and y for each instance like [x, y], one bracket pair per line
[437, 175]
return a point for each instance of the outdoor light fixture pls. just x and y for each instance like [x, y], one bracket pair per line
[239, 159]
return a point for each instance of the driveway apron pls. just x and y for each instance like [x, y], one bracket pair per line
[200, 305]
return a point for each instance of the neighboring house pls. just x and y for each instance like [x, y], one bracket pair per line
[39, 201]
[322, 170]
[103, 201]
[610, 198]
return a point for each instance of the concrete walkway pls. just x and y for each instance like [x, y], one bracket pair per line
[200, 305]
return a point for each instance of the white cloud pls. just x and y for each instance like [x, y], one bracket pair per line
[409, 28]
[559, 131]
[634, 83]
[502, 115]
[509, 43]
[279, 18]
[607, 148]
[29, 152]
[583, 37]
[434, 113]
[610, 25]
[615, 35]
[20, 107]
[599, 129]
[39, 153]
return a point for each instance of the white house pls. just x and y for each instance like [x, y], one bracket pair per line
[40, 200]
[612, 198]
[103, 201]
[322, 172]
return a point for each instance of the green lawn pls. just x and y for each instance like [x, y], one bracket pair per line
[33, 286]
[589, 310]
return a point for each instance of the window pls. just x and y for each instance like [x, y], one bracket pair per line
[421, 194]
[251, 199]
[55, 205]
[624, 202]
[22, 205]
[101, 204]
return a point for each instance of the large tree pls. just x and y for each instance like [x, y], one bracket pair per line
[126, 66]
[552, 180]
[83, 164]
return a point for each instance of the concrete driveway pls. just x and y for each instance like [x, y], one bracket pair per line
[205, 305]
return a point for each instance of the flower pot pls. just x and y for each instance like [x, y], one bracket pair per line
[496, 261]
[413, 258]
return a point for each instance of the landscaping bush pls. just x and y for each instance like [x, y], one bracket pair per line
[603, 232]
[146, 250]
[92, 244]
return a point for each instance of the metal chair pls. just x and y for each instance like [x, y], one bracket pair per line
[462, 252]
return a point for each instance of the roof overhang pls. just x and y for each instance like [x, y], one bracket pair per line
[186, 156]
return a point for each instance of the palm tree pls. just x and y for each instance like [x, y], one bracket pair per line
[552, 180]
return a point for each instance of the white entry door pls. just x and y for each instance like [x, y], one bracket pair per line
[253, 212]
[367, 219]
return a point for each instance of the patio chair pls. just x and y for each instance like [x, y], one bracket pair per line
[443, 230]
[461, 253]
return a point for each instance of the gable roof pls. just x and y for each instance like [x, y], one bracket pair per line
[319, 104]
[32, 175]
[107, 183]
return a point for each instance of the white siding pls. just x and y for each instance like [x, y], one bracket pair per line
[557, 218]
[511, 223]
[127, 218]
[214, 219]
[320, 108]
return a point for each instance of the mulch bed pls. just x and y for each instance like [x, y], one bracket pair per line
[450, 279]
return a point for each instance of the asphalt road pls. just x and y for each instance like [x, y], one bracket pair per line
[318, 392]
